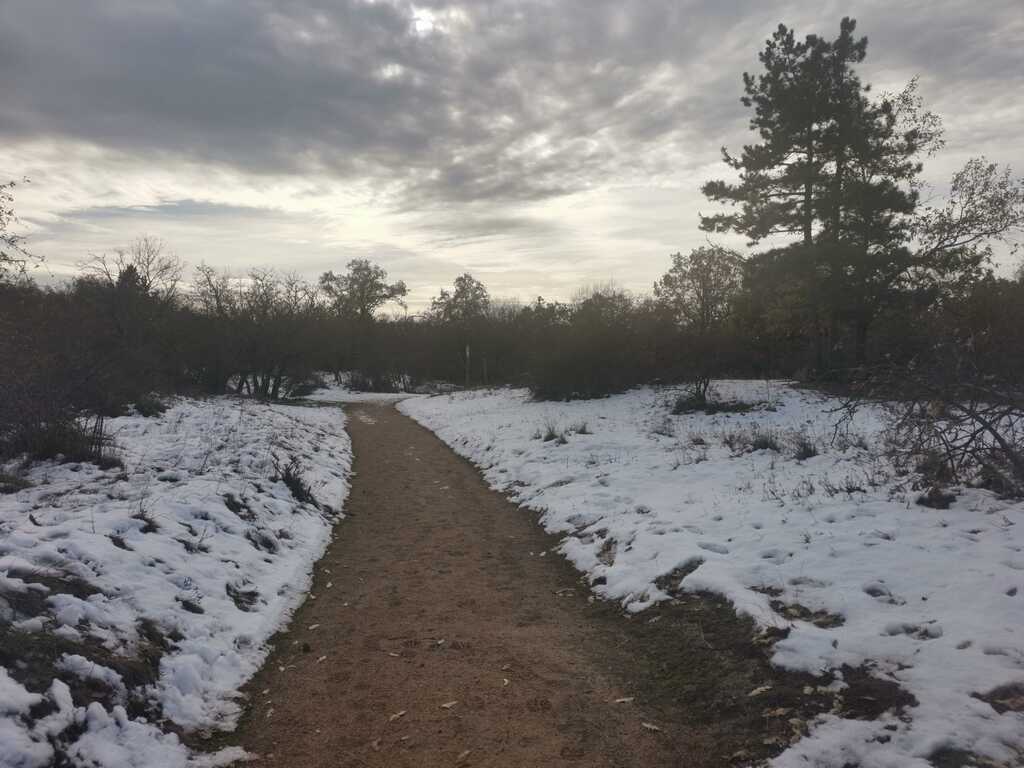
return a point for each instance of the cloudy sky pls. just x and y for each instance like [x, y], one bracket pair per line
[540, 144]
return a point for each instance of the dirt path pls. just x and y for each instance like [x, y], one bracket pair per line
[439, 636]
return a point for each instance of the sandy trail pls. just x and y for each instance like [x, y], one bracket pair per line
[438, 637]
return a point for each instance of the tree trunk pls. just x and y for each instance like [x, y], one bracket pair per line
[861, 328]
[808, 212]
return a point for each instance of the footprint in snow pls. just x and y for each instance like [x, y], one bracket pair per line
[808, 581]
[775, 555]
[928, 630]
[880, 592]
[711, 546]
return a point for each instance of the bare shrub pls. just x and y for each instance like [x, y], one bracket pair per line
[664, 428]
[754, 438]
[950, 422]
[804, 447]
[291, 475]
[149, 405]
[764, 440]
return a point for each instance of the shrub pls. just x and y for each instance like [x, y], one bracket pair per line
[664, 428]
[735, 440]
[10, 483]
[366, 381]
[594, 348]
[553, 434]
[149, 405]
[804, 447]
[291, 475]
[692, 402]
[303, 389]
[762, 440]
[64, 438]
[753, 439]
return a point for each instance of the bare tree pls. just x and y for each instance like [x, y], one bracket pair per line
[700, 287]
[213, 292]
[985, 206]
[157, 270]
[13, 255]
[700, 291]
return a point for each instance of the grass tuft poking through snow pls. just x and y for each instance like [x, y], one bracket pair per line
[135, 601]
[819, 540]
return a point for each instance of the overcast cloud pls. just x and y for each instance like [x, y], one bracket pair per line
[541, 145]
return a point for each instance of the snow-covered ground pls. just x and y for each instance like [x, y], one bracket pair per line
[832, 547]
[340, 393]
[137, 600]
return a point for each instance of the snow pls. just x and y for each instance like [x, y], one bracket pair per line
[341, 394]
[931, 599]
[196, 537]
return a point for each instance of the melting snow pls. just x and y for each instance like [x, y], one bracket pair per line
[933, 600]
[196, 537]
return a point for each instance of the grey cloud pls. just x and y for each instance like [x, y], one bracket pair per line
[517, 101]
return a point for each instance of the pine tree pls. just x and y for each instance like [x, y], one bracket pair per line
[798, 107]
[835, 169]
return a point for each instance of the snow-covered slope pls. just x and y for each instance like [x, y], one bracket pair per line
[153, 588]
[832, 546]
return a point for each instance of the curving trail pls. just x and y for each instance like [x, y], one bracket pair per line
[439, 637]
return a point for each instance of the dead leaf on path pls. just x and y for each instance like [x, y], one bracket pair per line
[779, 712]
[625, 700]
[650, 726]
[504, 682]
[759, 691]
[312, 626]
[463, 755]
[322, 658]
[396, 655]
[396, 716]
[449, 704]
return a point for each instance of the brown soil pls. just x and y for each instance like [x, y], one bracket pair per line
[438, 635]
